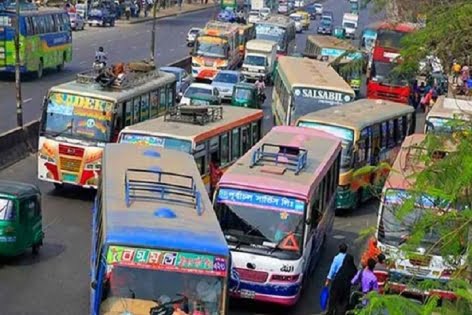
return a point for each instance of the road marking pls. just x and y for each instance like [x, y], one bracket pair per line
[82, 62]
[134, 47]
[27, 100]
[339, 237]
[172, 49]
[109, 41]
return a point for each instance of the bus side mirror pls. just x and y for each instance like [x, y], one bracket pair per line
[93, 285]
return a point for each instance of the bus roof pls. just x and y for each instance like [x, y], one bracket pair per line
[277, 19]
[304, 72]
[232, 116]
[220, 28]
[320, 146]
[111, 94]
[447, 107]
[359, 114]
[141, 217]
[330, 42]
[403, 27]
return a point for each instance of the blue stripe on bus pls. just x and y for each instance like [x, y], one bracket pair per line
[271, 289]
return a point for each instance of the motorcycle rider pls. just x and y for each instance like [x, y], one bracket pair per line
[260, 85]
[101, 56]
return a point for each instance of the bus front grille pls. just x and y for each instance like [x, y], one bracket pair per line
[70, 165]
[252, 275]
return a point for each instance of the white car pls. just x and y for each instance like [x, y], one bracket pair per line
[254, 16]
[264, 13]
[297, 18]
[192, 35]
[283, 7]
[299, 3]
[198, 88]
[318, 8]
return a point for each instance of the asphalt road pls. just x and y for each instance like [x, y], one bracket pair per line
[57, 281]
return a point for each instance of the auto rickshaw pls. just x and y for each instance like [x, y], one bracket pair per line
[20, 218]
[305, 19]
[201, 99]
[339, 32]
[245, 95]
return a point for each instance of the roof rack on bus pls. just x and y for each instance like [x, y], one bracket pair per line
[162, 188]
[198, 115]
[136, 74]
[294, 158]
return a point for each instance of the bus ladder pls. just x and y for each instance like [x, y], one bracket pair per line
[149, 185]
[293, 158]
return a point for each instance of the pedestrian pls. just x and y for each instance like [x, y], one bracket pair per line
[340, 290]
[381, 272]
[215, 174]
[456, 71]
[465, 74]
[366, 279]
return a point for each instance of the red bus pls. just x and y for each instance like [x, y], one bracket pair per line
[382, 84]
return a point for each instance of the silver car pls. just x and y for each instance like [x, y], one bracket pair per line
[192, 35]
[77, 23]
[225, 80]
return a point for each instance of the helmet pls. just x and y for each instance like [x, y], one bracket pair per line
[100, 49]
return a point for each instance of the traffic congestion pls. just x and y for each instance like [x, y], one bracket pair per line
[235, 181]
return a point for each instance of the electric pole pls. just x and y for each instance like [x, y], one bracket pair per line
[153, 32]
[19, 102]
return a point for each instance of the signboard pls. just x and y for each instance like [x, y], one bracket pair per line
[260, 200]
[227, 4]
[333, 97]
[335, 53]
[143, 140]
[167, 260]
[76, 101]
[400, 196]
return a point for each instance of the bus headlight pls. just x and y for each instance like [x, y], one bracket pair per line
[195, 65]
[93, 166]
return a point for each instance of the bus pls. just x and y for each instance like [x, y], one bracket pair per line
[371, 132]
[216, 48]
[329, 48]
[279, 29]
[447, 115]
[247, 32]
[45, 41]
[383, 82]
[276, 209]
[303, 85]
[209, 133]
[408, 270]
[149, 248]
[79, 118]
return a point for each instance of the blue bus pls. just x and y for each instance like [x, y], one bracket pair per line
[45, 40]
[155, 236]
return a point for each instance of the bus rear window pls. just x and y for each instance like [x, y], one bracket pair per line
[163, 142]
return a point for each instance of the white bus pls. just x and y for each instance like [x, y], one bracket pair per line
[279, 29]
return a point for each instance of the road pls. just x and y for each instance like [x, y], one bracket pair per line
[57, 281]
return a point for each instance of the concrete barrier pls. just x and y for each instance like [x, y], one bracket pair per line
[18, 143]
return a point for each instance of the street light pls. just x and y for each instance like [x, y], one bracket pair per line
[19, 102]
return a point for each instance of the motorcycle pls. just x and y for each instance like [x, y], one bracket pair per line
[98, 65]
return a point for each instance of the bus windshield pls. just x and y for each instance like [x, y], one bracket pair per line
[261, 220]
[439, 125]
[78, 117]
[157, 141]
[242, 94]
[383, 73]
[211, 47]
[149, 284]
[345, 134]
[393, 231]
[389, 39]
[274, 33]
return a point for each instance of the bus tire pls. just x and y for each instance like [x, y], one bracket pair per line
[58, 186]
[39, 72]
[35, 249]
[60, 67]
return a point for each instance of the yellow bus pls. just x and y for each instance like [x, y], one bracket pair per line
[210, 133]
[328, 48]
[247, 32]
[302, 86]
[372, 132]
[446, 113]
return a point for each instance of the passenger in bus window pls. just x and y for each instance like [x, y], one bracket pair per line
[215, 172]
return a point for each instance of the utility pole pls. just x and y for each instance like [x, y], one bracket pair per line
[19, 105]
[153, 32]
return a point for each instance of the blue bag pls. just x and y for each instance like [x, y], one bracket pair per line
[324, 297]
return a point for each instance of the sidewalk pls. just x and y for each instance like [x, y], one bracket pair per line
[173, 11]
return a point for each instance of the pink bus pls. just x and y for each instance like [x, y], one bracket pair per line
[275, 206]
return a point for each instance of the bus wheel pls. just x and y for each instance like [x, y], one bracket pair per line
[58, 186]
[60, 66]
[35, 249]
[39, 72]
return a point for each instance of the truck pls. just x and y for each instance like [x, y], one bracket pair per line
[259, 59]
[257, 4]
[350, 22]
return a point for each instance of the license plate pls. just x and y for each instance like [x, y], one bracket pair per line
[247, 294]
[70, 178]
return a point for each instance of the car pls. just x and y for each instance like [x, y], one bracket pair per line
[325, 27]
[198, 88]
[327, 15]
[192, 35]
[299, 4]
[318, 8]
[297, 18]
[264, 13]
[311, 10]
[254, 16]
[225, 81]
[283, 7]
[227, 15]
[183, 79]
[77, 23]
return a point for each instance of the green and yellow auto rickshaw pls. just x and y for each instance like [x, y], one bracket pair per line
[202, 99]
[245, 95]
[340, 32]
[20, 218]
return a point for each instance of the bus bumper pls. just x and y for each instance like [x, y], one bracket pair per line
[345, 198]
[281, 295]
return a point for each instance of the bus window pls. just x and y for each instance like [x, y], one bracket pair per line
[246, 138]
[128, 113]
[328, 185]
[391, 134]
[315, 213]
[214, 149]
[384, 135]
[136, 110]
[401, 130]
[255, 133]
[224, 147]
[145, 107]
[235, 145]
[154, 103]
[162, 100]
[170, 96]
[29, 26]
[200, 158]
[50, 25]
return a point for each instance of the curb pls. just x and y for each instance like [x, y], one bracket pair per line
[147, 19]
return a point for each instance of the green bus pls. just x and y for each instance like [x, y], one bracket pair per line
[45, 40]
